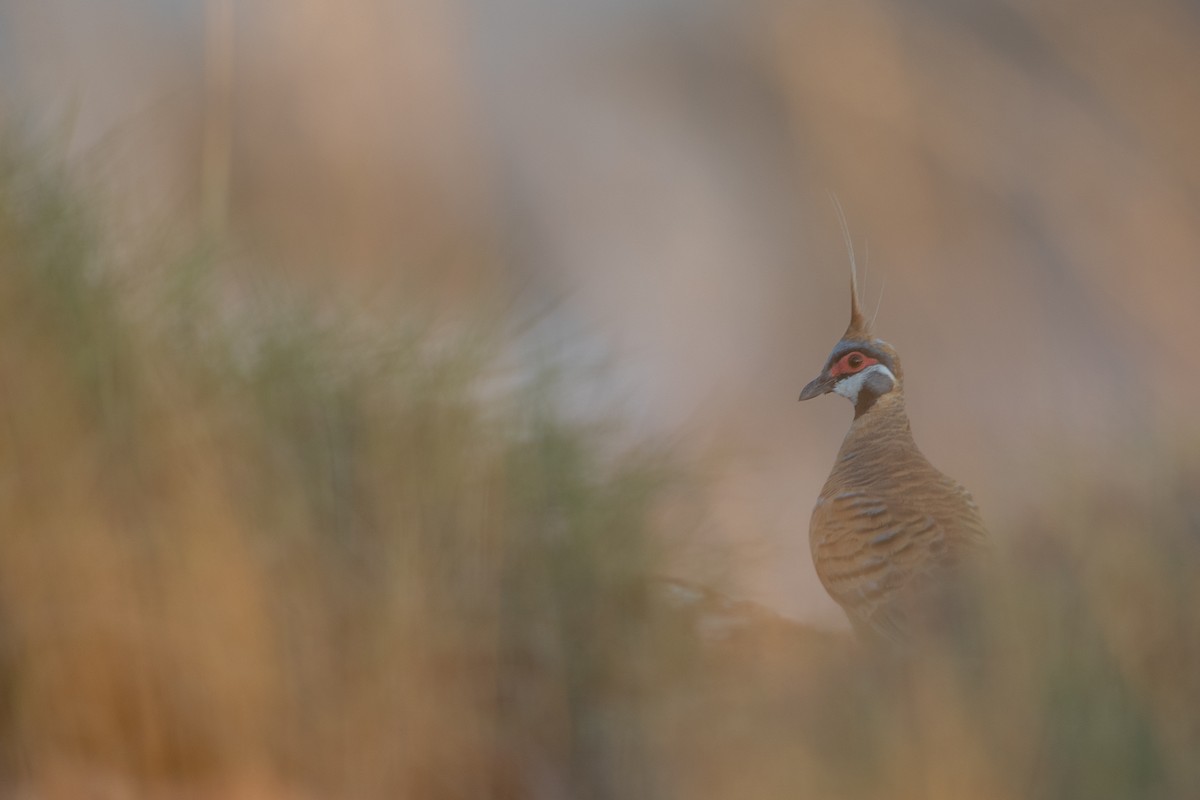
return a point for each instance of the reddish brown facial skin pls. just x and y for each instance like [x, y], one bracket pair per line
[844, 366]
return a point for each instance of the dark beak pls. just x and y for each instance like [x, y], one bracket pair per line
[822, 384]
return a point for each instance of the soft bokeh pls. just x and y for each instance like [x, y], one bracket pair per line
[636, 198]
[1022, 178]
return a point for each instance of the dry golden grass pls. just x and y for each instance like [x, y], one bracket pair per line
[263, 557]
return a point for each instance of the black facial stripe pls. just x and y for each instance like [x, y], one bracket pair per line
[875, 385]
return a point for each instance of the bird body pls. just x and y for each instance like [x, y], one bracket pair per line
[889, 532]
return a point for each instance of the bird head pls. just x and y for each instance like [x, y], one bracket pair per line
[861, 368]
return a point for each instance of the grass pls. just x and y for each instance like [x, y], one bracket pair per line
[274, 553]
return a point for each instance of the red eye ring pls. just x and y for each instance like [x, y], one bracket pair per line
[851, 363]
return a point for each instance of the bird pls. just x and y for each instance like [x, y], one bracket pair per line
[891, 536]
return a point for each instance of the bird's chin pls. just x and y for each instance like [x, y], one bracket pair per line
[875, 381]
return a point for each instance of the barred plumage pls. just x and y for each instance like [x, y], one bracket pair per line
[889, 530]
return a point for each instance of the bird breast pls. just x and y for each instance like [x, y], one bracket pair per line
[887, 523]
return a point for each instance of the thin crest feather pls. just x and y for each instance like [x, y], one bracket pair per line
[858, 323]
[866, 263]
[879, 302]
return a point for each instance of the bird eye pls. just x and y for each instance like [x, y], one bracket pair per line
[854, 361]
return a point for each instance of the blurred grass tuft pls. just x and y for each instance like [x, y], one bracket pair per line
[270, 543]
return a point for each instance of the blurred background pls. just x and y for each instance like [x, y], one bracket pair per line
[412, 211]
[1023, 180]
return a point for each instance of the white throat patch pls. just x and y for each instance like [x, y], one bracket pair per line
[850, 387]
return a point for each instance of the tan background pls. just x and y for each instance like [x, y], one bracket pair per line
[651, 182]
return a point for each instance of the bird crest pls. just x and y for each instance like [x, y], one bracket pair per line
[860, 328]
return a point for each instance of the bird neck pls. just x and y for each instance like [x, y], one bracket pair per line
[880, 429]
